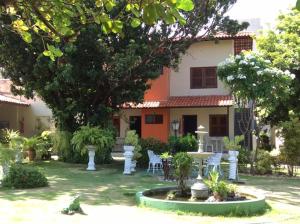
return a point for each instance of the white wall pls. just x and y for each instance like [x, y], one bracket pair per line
[202, 54]
[203, 116]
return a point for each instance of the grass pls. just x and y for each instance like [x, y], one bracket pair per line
[107, 194]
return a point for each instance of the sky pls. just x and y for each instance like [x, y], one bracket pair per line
[266, 10]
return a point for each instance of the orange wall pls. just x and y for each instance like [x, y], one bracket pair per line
[159, 131]
[160, 87]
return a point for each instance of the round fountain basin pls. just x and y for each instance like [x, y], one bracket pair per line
[255, 204]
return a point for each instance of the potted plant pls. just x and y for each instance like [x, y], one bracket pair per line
[30, 146]
[166, 158]
[233, 146]
[133, 147]
[91, 139]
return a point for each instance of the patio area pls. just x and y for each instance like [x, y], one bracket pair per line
[108, 195]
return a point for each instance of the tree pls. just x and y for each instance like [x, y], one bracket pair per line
[85, 80]
[255, 84]
[282, 48]
[62, 20]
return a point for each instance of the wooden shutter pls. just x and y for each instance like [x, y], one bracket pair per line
[196, 78]
[210, 77]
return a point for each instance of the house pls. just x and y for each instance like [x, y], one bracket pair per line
[29, 117]
[188, 97]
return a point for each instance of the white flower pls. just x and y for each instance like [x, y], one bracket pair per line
[241, 76]
[253, 84]
[259, 72]
[238, 56]
[242, 62]
[230, 78]
[268, 61]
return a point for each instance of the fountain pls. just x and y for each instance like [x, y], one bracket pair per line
[199, 190]
[157, 197]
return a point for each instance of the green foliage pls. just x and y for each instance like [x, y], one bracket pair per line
[102, 139]
[220, 188]
[7, 154]
[66, 152]
[186, 143]
[244, 158]
[290, 152]
[233, 144]
[73, 207]
[132, 139]
[282, 47]
[166, 155]
[183, 165]
[253, 78]
[31, 143]
[104, 62]
[21, 176]
[153, 144]
[263, 164]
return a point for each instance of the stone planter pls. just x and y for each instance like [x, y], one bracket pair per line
[128, 154]
[233, 161]
[91, 164]
[133, 166]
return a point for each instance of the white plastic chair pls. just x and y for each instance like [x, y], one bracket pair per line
[155, 162]
[214, 163]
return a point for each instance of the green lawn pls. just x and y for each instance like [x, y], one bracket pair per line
[107, 195]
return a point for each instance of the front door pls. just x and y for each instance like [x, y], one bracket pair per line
[135, 123]
[189, 124]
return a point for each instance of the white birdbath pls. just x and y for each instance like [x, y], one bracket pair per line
[199, 189]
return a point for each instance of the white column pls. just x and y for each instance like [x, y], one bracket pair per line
[128, 154]
[91, 164]
[233, 161]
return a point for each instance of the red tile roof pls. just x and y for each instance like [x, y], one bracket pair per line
[7, 97]
[186, 101]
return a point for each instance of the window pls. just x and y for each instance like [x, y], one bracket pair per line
[218, 125]
[203, 77]
[154, 119]
[242, 44]
[116, 123]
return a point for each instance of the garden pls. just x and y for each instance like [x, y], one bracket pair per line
[48, 187]
[85, 59]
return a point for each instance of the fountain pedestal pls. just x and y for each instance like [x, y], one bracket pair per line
[199, 190]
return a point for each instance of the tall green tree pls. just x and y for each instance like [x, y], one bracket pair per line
[282, 47]
[85, 80]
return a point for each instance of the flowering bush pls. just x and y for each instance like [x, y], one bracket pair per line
[251, 77]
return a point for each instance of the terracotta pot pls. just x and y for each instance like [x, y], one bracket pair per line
[31, 154]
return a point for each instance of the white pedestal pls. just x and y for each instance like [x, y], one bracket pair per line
[128, 154]
[91, 164]
[133, 165]
[233, 161]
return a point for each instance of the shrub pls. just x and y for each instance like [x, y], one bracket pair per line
[186, 143]
[153, 144]
[45, 146]
[263, 163]
[66, 152]
[220, 189]
[183, 165]
[20, 176]
[102, 139]
[244, 158]
[290, 152]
